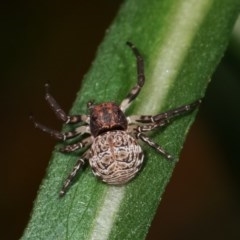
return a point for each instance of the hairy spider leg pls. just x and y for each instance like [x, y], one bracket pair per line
[80, 162]
[152, 126]
[165, 116]
[74, 147]
[60, 135]
[154, 145]
[59, 112]
[140, 79]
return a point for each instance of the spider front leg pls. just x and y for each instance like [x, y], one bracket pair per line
[59, 112]
[59, 135]
[165, 117]
[80, 162]
[140, 79]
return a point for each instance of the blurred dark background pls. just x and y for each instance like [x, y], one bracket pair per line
[56, 41]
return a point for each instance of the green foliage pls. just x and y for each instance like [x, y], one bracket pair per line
[182, 43]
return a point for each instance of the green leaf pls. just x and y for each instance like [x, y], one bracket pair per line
[182, 43]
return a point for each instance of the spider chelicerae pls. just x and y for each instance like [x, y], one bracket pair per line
[110, 138]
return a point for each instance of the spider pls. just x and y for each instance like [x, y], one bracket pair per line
[111, 139]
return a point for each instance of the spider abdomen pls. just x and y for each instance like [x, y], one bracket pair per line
[116, 157]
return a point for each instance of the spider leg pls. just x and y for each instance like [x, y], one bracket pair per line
[80, 162]
[59, 135]
[140, 79]
[177, 111]
[76, 146]
[150, 127]
[166, 116]
[59, 112]
[154, 145]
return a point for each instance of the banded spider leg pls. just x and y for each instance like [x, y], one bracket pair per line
[140, 79]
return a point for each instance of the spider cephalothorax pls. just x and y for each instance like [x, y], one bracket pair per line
[110, 139]
[106, 117]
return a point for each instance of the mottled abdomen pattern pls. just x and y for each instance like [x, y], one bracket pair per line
[116, 157]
